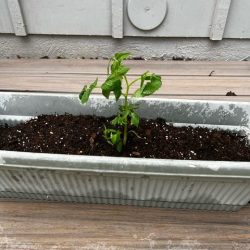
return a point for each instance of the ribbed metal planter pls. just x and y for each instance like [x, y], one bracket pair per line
[129, 181]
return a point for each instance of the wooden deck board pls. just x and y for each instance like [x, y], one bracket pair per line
[190, 80]
[37, 226]
[75, 66]
[174, 85]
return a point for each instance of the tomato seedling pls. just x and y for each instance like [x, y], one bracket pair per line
[117, 83]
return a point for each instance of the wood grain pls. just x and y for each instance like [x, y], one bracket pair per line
[188, 80]
[36, 225]
[74, 66]
[174, 85]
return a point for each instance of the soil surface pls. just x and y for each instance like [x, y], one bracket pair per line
[82, 135]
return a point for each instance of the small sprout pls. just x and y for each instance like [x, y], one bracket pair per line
[117, 83]
[113, 137]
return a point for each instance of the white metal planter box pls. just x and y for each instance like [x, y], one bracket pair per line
[212, 185]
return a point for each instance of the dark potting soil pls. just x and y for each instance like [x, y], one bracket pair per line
[82, 135]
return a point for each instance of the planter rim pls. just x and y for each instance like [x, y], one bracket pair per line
[140, 166]
[99, 96]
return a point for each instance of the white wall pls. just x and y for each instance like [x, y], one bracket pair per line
[36, 46]
[184, 18]
[28, 28]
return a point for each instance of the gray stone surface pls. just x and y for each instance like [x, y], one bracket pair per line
[37, 46]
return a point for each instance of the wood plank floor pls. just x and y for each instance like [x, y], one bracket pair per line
[190, 80]
[37, 225]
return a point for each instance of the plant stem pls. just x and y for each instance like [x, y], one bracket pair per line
[125, 132]
[109, 66]
[134, 81]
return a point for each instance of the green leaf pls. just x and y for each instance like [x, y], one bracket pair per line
[119, 120]
[119, 147]
[125, 114]
[116, 63]
[153, 83]
[145, 76]
[115, 121]
[122, 70]
[86, 91]
[114, 81]
[115, 138]
[117, 69]
[121, 56]
[112, 84]
[117, 91]
[108, 132]
[114, 66]
[135, 119]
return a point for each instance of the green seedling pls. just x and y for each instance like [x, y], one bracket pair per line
[118, 84]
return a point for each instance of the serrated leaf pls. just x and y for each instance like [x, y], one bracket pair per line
[135, 119]
[122, 70]
[117, 92]
[119, 147]
[119, 120]
[117, 69]
[86, 91]
[151, 86]
[125, 114]
[115, 138]
[83, 92]
[121, 56]
[153, 83]
[113, 84]
[115, 121]
[114, 66]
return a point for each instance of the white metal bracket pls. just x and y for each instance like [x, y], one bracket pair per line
[17, 18]
[117, 18]
[219, 19]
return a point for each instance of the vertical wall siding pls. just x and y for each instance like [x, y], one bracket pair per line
[5, 19]
[194, 18]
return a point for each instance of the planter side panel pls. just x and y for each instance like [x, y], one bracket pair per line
[168, 192]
